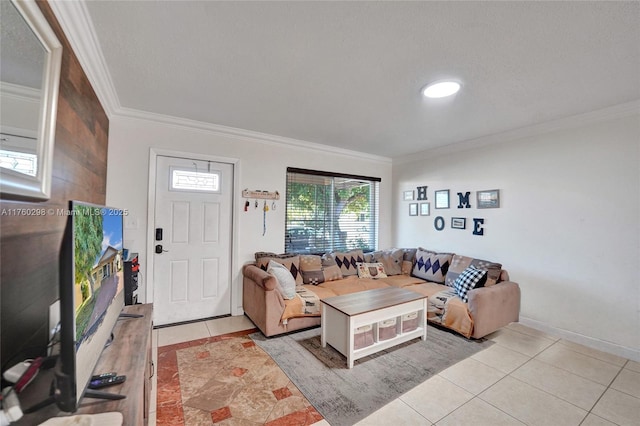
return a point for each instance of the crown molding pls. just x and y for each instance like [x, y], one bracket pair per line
[77, 26]
[22, 93]
[242, 134]
[578, 120]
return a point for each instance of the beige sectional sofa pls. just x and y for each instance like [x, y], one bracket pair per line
[444, 278]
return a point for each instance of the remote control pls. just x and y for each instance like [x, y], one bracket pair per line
[107, 381]
[104, 376]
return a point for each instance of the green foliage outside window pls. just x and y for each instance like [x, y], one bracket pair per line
[330, 213]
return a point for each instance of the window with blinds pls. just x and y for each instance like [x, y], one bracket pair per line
[329, 211]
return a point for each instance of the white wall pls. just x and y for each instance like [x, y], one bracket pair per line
[262, 166]
[20, 111]
[567, 228]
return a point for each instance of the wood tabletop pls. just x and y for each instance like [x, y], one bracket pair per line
[371, 300]
[127, 355]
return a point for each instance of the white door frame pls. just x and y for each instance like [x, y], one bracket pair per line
[236, 288]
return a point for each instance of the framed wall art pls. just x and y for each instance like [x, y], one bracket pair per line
[489, 199]
[413, 209]
[424, 209]
[458, 223]
[442, 199]
[407, 195]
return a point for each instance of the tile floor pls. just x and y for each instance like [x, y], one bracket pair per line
[526, 378]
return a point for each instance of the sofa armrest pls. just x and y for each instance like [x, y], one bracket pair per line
[259, 277]
[262, 302]
[494, 307]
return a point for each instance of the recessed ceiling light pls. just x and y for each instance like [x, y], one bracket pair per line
[441, 89]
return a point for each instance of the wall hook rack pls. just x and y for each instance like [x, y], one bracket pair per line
[265, 195]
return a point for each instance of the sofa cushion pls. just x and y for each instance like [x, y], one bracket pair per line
[371, 270]
[391, 259]
[445, 307]
[352, 284]
[348, 261]
[305, 303]
[291, 261]
[284, 280]
[431, 266]
[316, 270]
[460, 263]
[402, 280]
[320, 291]
[409, 254]
[408, 257]
[469, 279]
[310, 262]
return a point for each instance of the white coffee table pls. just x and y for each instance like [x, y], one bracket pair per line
[342, 315]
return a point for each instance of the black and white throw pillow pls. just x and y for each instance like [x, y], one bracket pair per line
[469, 279]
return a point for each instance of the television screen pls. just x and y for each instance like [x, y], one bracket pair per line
[91, 295]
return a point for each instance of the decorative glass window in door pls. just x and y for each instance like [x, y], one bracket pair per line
[193, 180]
[22, 162]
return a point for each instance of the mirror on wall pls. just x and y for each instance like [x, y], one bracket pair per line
[30, 59]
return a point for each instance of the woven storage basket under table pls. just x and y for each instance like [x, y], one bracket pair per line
[409, 322]
[363, 336]
[387, 329]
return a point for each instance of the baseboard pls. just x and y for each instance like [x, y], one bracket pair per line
[612, 348]
[173, 324]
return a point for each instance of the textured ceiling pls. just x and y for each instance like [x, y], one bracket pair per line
[349, 74]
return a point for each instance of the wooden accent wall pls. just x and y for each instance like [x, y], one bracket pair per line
[30, 245]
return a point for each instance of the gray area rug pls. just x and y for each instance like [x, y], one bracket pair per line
[344, 396]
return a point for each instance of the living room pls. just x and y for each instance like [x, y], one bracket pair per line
[554, 212]
[567, 229]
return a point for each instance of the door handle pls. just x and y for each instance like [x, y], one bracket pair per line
[159, 249]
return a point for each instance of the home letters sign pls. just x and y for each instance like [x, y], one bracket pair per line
[489, 199]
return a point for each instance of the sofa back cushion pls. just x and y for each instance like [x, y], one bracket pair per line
[348, 261]
[317, 270]
[460, 263]
[431, 266]
[390, 259]
[291, 261]
[408, 258]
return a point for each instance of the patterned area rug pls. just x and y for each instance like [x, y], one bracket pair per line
[226, 380]
[344, 396]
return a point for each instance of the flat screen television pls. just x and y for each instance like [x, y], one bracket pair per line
[91, 297]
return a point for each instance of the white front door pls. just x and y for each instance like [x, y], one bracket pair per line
[192, 260]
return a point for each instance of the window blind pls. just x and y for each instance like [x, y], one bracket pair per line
[330, 211]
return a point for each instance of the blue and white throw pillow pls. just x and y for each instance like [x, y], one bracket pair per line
[431, 266]
[348, 261]
[469, 279]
